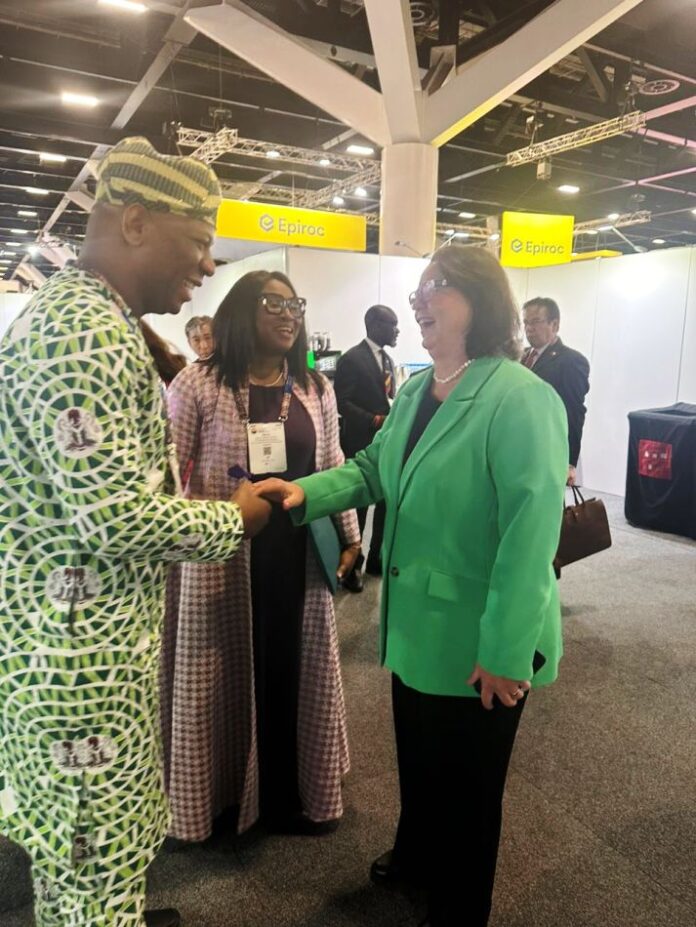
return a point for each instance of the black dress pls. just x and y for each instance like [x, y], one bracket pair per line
[277, 597]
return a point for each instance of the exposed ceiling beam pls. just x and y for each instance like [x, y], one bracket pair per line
[394, 46]
[484, 83]
[290, 62]
[597, 78]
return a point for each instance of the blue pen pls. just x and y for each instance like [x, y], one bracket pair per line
[238, 473]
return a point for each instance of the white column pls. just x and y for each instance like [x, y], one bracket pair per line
[409, 199]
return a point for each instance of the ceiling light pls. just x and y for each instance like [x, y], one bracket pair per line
[19, 231]
[693, 211]
[79, 99]
[272, 153]
[467, 215]
[604, 228]
[28, 213]
[53, 158]
[130, 5]
[33, 250]
[568, 188]
[338, 201]
[5, 261]
[449, 233]
[658, 241]
[494, 237]
[461, 235]
[325, 162]
[14, 244]
[37, 191]
[360, 150]
[613, 216]
[360, 191]
[589, 231]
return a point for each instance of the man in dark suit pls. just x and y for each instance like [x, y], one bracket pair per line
[563, 368]
[364, 387]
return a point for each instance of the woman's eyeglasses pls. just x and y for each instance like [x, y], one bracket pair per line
[426, 291]
[274, 304]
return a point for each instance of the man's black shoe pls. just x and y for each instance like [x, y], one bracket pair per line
[384, 871]
[163, 917]
[353, 582]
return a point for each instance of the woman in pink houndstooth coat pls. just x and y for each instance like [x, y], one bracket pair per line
[252, 700]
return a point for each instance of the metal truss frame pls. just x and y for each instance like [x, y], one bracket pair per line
[581, 137]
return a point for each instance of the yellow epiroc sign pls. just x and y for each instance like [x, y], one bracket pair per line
[288, 225]
[532, 239]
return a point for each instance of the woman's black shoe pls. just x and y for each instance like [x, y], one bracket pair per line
[384, 871]
[164, 917]
[353, 582]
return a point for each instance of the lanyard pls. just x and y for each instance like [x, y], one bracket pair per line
[284, 408]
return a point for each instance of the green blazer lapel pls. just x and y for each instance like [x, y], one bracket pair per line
[451, 413]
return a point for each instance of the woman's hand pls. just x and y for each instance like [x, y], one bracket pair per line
[508, 691]
[348, 557]
[290, 495]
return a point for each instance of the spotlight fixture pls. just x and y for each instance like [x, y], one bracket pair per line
[461, 234]
[79, 99]
[494, 237]
[589, 232]
[569, 188]
[613, 216]
[338, 201]
[467, 215]
[604, 228]
[272, 153]
[325, 162]
[365, 150]
[449, 233]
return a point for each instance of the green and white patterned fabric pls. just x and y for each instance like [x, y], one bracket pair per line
[86, 528]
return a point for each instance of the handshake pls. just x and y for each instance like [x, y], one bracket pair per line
[254, 501]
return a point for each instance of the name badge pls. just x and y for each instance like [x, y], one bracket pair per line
[267, 452]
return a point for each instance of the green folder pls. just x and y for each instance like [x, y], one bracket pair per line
[327, 549]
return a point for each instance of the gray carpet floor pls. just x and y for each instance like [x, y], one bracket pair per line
[600, 826]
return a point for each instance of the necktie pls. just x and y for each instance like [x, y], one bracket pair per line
[387, 374]
[530, 359]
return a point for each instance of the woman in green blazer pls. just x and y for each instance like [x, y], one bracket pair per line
[471, 463]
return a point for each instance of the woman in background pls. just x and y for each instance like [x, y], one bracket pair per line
[253, 707]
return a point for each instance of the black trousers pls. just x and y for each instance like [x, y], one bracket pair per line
[374, 555]
[453, 758]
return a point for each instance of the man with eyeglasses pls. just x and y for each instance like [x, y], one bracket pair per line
[563, 368]
[365, 389]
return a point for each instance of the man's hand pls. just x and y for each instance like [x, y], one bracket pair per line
[572, 475]
[348, 557]
[289, 495]
[255, 510]
[508, 691]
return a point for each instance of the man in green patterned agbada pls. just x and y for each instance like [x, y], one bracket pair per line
[88, 521]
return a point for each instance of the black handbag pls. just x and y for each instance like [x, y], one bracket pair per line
[584, 530]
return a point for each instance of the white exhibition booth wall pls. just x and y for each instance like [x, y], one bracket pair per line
[634, 317]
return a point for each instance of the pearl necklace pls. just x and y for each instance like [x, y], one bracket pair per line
[443, 380]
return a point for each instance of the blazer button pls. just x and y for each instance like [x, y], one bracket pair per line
[394, 571]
